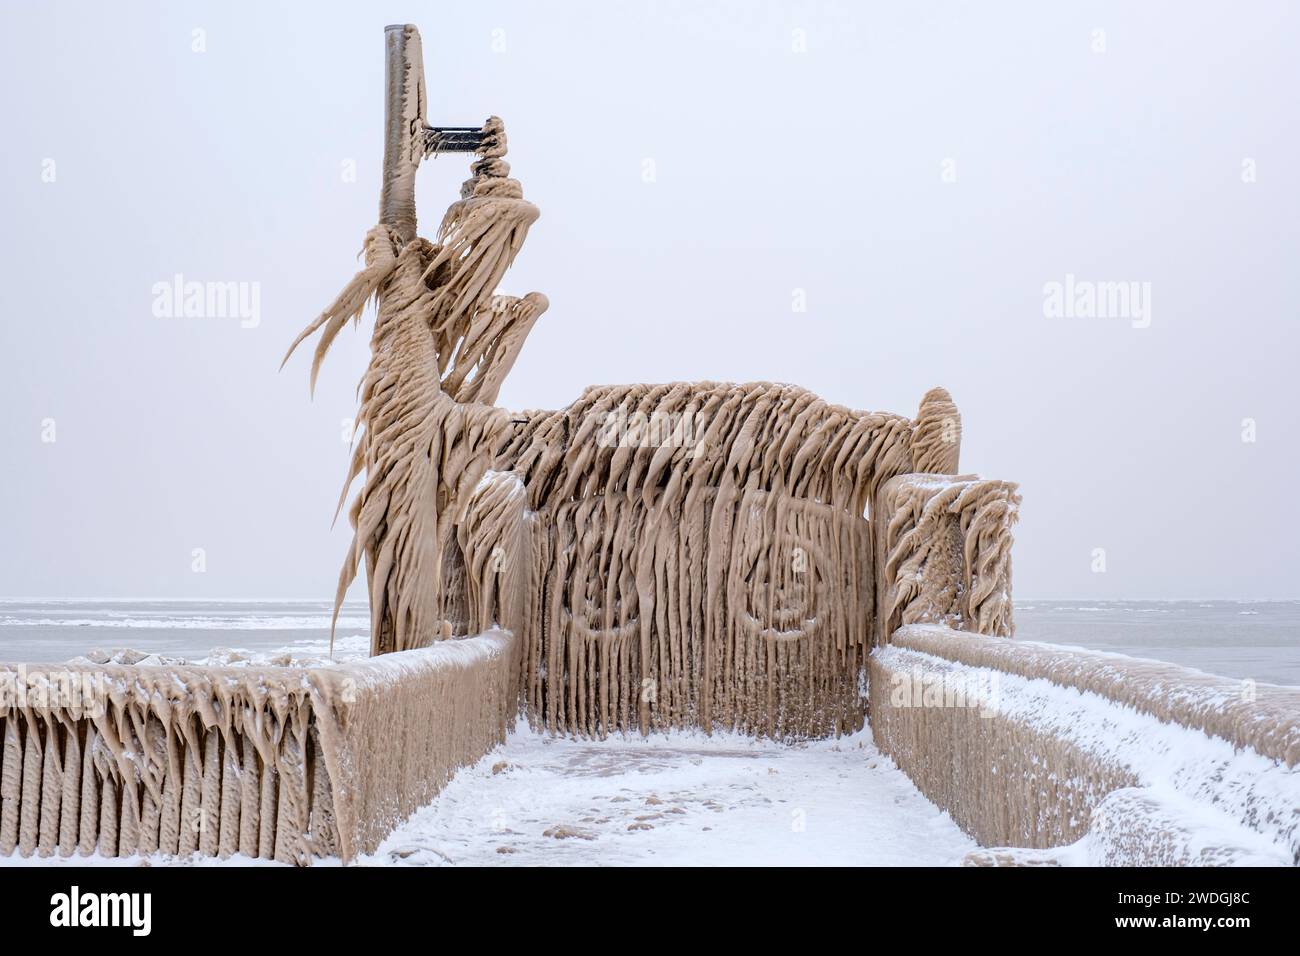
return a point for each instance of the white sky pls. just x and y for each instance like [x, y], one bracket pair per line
[776, 171]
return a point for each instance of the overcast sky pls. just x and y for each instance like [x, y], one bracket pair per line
[920, 176]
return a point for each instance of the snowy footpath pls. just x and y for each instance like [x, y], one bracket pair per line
[680, 799]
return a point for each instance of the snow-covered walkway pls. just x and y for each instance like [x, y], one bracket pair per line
[682, 799]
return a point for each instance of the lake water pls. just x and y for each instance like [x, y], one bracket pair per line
[58, 630]
[1260, 641]
[1240, 640]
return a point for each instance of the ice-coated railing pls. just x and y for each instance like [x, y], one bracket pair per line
[283, 763]
[1116, 760]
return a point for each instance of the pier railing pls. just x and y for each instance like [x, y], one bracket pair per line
[1120, 760]
[282, 763]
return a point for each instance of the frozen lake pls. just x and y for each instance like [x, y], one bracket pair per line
[1240, 640]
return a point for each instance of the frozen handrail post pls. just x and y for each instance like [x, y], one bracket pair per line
[407, 136]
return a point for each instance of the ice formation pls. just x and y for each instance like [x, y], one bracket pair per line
[282, 763]
[688, 554]
[1137, 762]
[652, 557]
[427, 431]
[721, 577]
[945, 552]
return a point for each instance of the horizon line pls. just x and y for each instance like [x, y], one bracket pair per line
[15, 599]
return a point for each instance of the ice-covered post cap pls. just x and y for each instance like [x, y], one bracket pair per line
[936, 439]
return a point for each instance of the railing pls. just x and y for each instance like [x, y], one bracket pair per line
[280, 763]
[1134, 762]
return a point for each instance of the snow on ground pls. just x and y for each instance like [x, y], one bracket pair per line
[680, 799]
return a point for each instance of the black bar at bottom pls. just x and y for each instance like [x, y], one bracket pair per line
[923, 906]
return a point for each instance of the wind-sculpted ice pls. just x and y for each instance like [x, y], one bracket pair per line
[944, 547]
[690, 554]
[442, 344]
[283, 763]
[718, 574]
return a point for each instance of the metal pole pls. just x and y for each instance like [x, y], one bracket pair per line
[408, 138]
[404, 123]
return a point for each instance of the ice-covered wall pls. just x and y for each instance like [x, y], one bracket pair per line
[1123, 761]
[282, 763]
